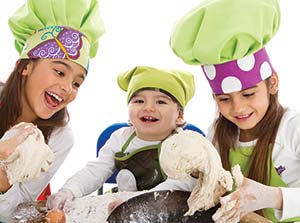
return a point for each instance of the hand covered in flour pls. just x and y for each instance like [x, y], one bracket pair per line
[250, 196]
[14, 137]
[58, 200]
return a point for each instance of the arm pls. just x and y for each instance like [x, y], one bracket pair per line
[96, 172]
[288, 149]
[60, 142]
[171, 184]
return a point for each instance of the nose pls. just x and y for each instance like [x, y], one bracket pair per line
[67, 86]
[149, 106]
[237, 106]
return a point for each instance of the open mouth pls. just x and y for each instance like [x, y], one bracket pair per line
[148, 119]
[53, 99]
[242, 117]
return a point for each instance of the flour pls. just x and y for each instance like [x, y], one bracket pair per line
[94, 209]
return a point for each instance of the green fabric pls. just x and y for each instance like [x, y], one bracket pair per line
[218, 31]
[81, 15]
[143, 163]
[242, 157]
[180, 84]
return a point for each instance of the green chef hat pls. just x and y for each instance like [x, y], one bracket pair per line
[218, 31]
[180, 84]
[65, 29]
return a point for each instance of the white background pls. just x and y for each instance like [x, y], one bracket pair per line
[137, 33]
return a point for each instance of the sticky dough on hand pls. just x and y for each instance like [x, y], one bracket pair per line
[30, 158]
[189, 152]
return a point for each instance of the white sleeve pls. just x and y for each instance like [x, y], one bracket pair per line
[61, 141]
[95, 173]
[289, 137]
[291, 204]
[171, 184]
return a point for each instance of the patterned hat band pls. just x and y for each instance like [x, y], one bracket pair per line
[239, 74]
[58, 42]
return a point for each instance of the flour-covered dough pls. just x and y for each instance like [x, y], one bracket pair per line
[30, 158]
[189, 152]
[93, 209]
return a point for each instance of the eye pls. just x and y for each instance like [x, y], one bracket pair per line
[138, 101]
[223, 99]
[59, 73]
[161, 102]
[76, 84]
[248, 94]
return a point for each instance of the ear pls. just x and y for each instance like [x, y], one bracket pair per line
[180, 120]
[27, 69]
[274, 83]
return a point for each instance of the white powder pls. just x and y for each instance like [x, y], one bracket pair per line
[93, 209]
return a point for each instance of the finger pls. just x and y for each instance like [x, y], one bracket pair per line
[224, 210]
[232, 216]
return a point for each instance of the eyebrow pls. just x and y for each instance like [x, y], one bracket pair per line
[67, 66]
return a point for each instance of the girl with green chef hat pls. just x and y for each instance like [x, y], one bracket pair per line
[55, 40]
[252, 129]
[156, 99]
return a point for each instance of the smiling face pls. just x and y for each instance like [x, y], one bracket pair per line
[50, 85]
[247, 108]
[154, 115]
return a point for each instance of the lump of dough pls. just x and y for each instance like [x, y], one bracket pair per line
[30, 158]
[187, 153]
[94, 209]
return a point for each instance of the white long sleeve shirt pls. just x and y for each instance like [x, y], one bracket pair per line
[61, 141]
[286, 155]
[96, 172]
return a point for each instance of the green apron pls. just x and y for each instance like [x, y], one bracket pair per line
[242, 157]
[143, 163]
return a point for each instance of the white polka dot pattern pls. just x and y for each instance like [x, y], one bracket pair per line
[247, 63]
[239, 74]
[230, 84]
[210, 71]
[265, 70]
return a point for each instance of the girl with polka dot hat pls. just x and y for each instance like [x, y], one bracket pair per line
[228, 39]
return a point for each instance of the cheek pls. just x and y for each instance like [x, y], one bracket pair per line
[262, 105]
[72, 97]
[223, 108]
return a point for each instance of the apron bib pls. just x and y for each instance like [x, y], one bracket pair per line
[242, 157]
[143, 163]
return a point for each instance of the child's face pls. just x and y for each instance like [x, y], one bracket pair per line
[153, 114]
[50, 85]
[245, 108]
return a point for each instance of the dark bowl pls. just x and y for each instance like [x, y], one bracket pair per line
[162, 207]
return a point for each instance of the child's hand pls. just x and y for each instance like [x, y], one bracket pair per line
[113, 205]
[251, 196]
[14, 137]
[58, 200]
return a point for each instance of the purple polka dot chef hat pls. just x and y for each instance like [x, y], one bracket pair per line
[239, 74]
[227, 38]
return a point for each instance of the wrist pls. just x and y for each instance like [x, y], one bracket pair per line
[276, 194]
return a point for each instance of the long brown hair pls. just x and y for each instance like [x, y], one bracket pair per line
[226, 134]
[11, 109]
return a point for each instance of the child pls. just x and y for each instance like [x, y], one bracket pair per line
[156, 99]
[252, 129]
[54, 55]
